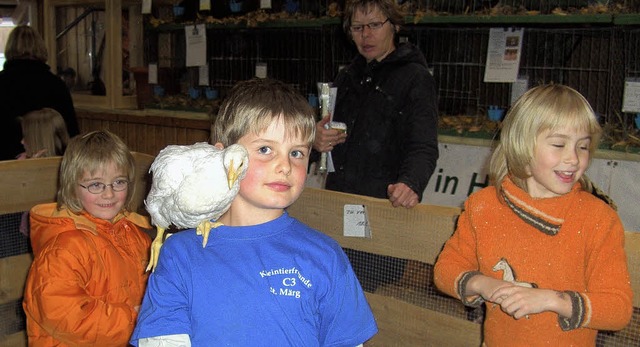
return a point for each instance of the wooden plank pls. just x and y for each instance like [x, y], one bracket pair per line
[18, 339]
[13, 274]
[26, 183]
[632, 248]
[403, 324]
[416, 233]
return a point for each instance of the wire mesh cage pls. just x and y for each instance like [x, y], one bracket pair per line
[514, 7]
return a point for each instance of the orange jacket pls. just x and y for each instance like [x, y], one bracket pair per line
[87, 278]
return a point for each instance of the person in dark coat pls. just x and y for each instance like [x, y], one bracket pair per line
[388, 100]
[27, 84]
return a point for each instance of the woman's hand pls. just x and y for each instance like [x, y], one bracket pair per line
[401, 195]
[327, 138]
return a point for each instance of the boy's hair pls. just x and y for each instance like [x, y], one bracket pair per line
[546, 107]
[251, 107]
[89, 153]
[44, 129]
[24, 42]
[388, 7]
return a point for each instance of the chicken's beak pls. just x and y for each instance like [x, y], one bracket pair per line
[232, 175]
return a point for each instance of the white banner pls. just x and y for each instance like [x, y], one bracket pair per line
[463, 169]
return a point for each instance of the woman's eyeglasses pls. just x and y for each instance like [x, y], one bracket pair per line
[99, 187]
[372, 26]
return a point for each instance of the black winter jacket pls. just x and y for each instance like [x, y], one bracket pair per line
[390, 108]
[25, 86]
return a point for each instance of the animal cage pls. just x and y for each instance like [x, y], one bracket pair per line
[593, 60]
[510, 7]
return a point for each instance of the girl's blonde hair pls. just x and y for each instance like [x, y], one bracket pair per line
[92, 152]
[24, 42]
[253, 105]
[44, 129]
[546, 107]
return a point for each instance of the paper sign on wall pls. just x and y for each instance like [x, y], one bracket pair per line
[153, 73]
[146, 6]
[356, 221]
[196, 37]
[261, 70]
[205, 5]
[503, 55]
[519, 87]
[631, 96]
[265, 3]
[203, 75]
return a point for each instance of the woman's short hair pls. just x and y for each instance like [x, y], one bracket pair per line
[546, 107]
[388, 7]
[252, 105]
[24, 42]
[92, 152]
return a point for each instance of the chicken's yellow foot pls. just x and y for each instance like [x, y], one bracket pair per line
[155, 250]
[232, 174]
[204, 228]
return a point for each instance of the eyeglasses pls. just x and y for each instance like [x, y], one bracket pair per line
[372, 26]
[99, 187]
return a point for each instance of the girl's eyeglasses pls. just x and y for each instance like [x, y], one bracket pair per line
[99, 187]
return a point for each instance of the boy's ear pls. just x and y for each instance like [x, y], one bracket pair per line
[219, 145]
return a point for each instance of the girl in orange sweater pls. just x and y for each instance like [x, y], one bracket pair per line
[88, 275]
[547, 256]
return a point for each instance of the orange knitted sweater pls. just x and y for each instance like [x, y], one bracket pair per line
[572, 243]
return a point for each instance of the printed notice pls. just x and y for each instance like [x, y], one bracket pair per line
[153, 73]
[196, 37]
[503, 55]
[519, 87]
[203, 75]
[631, 96]
[146, 6]
[356, 221]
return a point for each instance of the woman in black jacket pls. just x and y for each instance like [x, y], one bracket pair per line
[27, 84]
[387, 98]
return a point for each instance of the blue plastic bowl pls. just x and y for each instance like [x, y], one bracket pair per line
[495, 115]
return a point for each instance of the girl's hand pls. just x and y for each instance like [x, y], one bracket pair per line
[519, 302]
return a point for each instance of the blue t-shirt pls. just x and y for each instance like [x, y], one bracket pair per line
[280, 283]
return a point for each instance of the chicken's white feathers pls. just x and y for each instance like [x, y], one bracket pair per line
[190, 183]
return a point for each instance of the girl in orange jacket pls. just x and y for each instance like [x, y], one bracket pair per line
[546, 255]
[88, 275]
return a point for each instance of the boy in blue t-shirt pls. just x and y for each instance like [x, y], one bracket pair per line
[264, 278]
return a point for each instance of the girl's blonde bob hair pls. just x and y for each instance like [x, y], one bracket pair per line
[253, 105]
[91, 153]
[44, 133]
[546, 107]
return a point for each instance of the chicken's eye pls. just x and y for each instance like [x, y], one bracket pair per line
[264, 150]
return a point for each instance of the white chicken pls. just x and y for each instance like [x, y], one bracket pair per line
[191, 186]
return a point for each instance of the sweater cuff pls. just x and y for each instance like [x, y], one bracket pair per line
[577, 312]
[474, 301]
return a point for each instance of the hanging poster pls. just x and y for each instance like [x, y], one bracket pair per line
[196, 37]
[503, 55]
